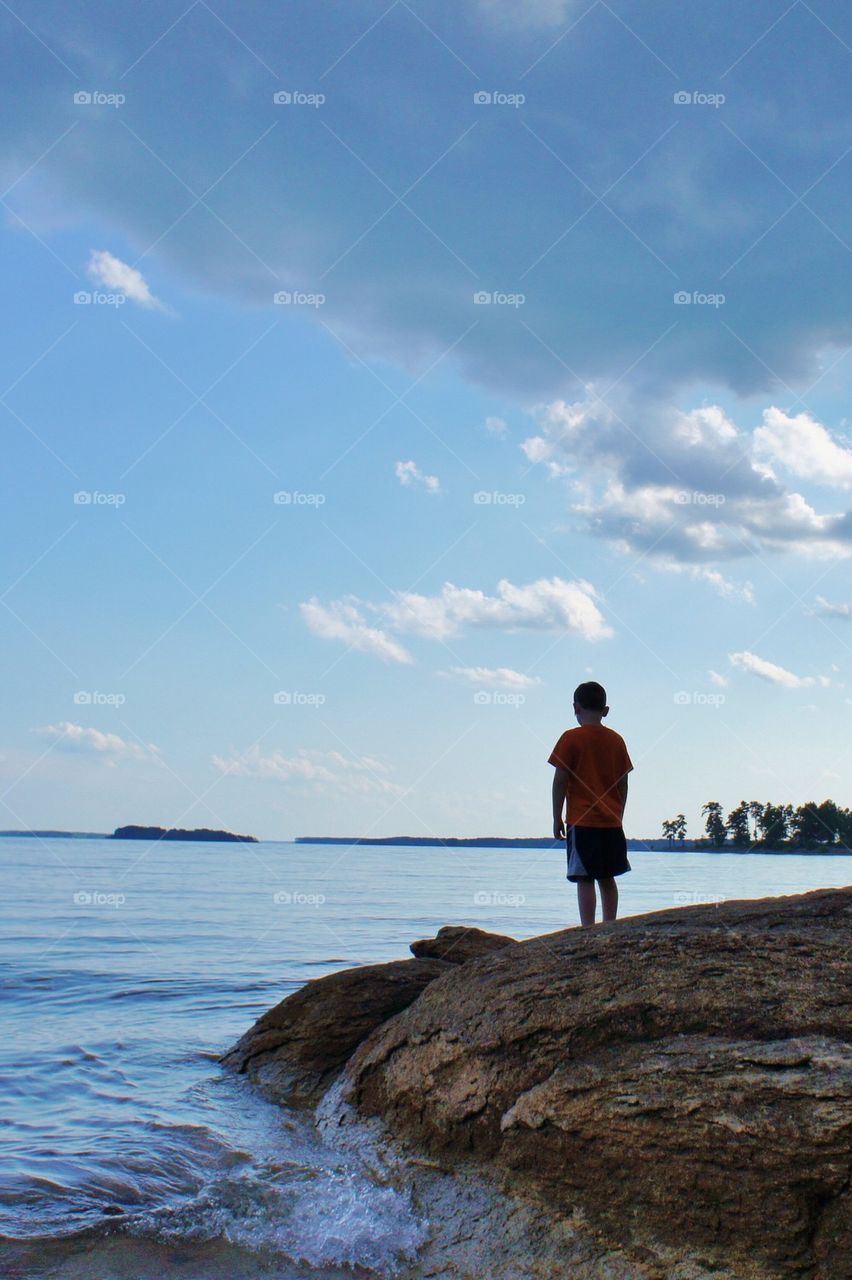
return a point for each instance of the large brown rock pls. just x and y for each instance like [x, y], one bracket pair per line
[295, 1051]
[682, 1079]
[459, 943]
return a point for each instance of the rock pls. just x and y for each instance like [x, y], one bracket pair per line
[681, 1079]
[295, 1051]
[459, 943]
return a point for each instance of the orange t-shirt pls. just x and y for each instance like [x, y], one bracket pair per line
[596, 760]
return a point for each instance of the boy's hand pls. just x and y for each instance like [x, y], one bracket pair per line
[558, 829]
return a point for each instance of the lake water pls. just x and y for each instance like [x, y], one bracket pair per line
[127, 969]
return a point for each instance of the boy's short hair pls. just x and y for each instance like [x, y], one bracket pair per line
[591, 696]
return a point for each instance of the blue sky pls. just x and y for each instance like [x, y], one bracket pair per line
[335, 563]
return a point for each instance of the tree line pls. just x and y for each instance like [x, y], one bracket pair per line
[755, 824]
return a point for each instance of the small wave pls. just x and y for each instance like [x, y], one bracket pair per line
[321, 1217]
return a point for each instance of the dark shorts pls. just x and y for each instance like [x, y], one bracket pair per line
[596, 853]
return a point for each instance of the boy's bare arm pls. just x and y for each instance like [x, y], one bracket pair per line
[560, 782]
[622, 791]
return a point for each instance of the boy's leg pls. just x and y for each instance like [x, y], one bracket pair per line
[609, 899]
[586, 901]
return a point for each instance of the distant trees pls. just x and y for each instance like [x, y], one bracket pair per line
[715, 823]
[674, 828]
[764, 825]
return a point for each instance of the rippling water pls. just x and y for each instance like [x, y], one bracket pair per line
[127, 969]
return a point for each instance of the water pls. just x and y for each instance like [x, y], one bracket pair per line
[127, 969]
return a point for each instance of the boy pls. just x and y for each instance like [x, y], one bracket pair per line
[592, 765]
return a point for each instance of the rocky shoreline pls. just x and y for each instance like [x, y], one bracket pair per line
[665, 1097]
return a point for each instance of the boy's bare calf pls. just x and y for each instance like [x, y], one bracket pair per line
[588, 903]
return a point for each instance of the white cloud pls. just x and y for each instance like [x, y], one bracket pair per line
[75, 737]
[321, 770]
[342, 620]
[834, 610]
[716, 678]
[726, 587]
[542, 605]
[770, 671]
[496, 426]
[408, 473]
[493, 677]
[690, 487]
[104, 268]
[804, 447]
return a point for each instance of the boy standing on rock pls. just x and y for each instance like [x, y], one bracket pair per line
[592, 765]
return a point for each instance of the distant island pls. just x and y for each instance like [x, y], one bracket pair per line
[547, 842]
[177, 833]
[58, 835]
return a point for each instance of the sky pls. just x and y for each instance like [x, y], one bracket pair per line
[375, 373]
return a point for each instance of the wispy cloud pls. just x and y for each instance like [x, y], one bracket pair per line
[343, 620]
[545, 605]
[321, 770]
[408, 474]
[774, 674]
[104, 268]
[833, 610]
[493, 677]
[87, 741]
